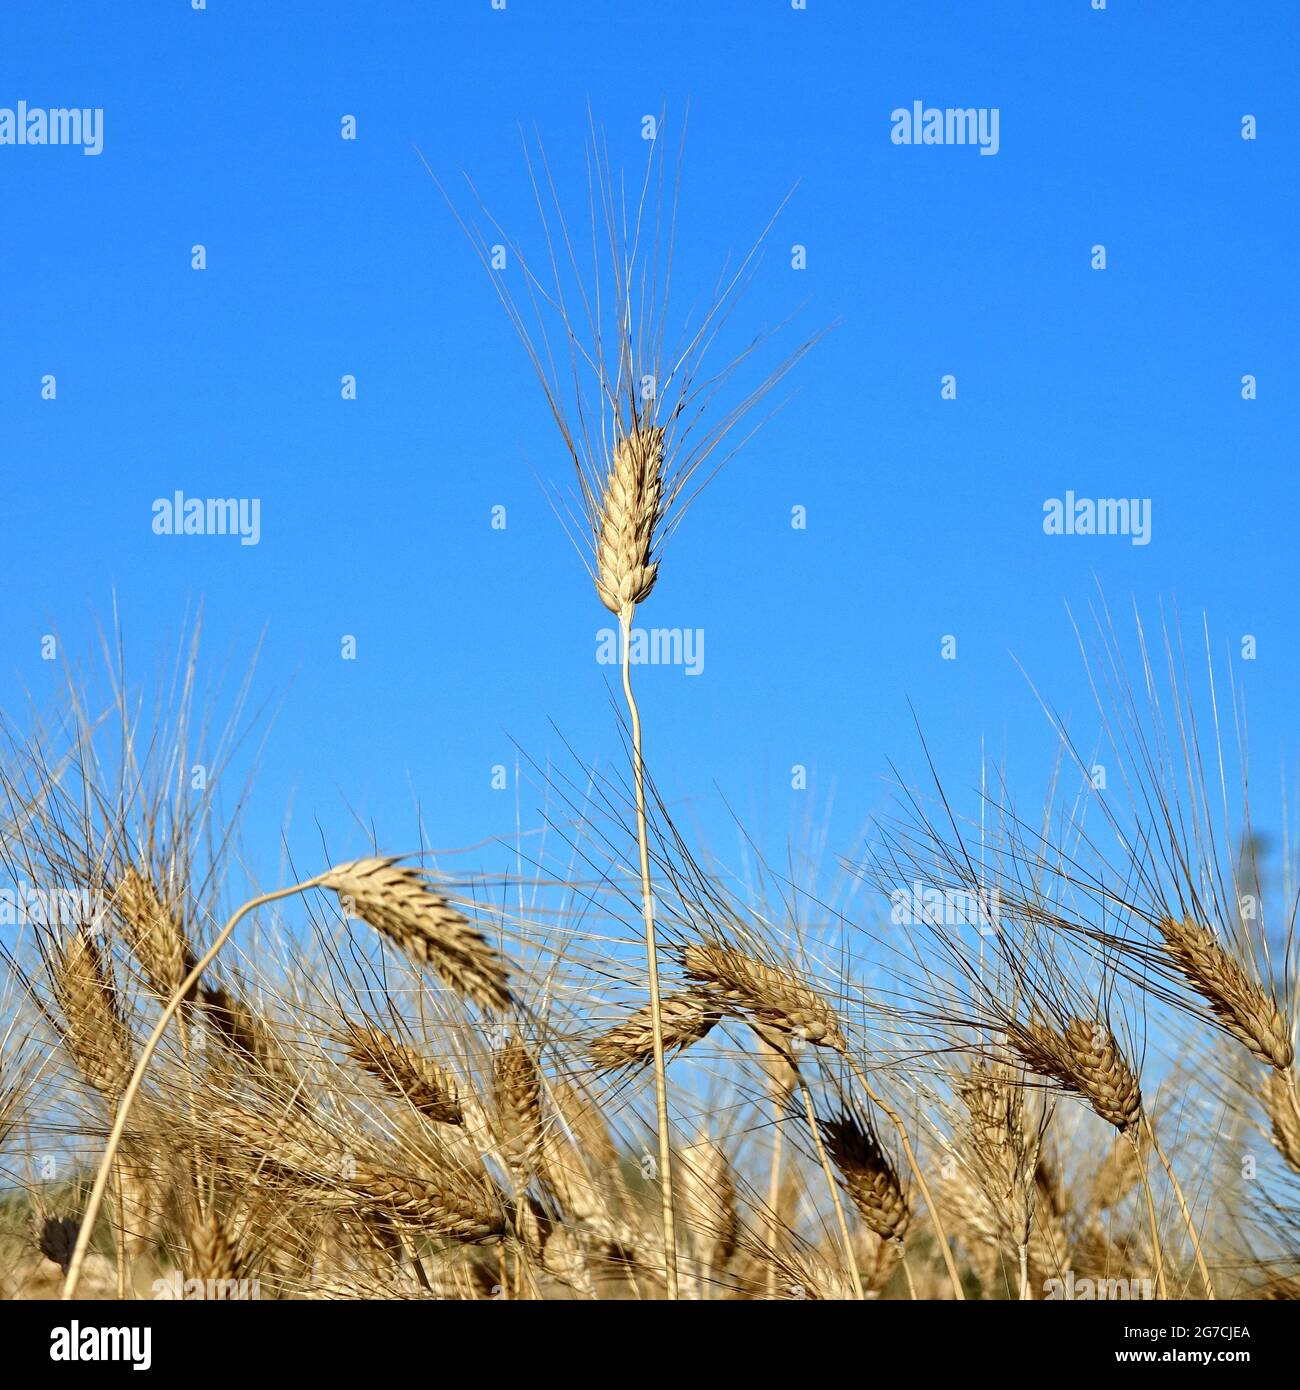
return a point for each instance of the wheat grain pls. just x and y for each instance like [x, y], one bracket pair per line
[708, 1191]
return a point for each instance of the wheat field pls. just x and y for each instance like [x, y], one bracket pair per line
[986, 1054]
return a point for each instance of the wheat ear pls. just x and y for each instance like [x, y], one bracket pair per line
[403, 1071]
[932, 1208]
[765, 993]
[869, 1177]
[1085, 1058]
[1003, 1154]
[211, 1254]
[401, 905]
[1245, 1009]
[775, 998]
[446, 1200]
[517, 1090]
[95, 1033]
[630, 510]
[708, 1191]
[132, 1087]
[1283, 1108]
[153, 930]
[685, 1017]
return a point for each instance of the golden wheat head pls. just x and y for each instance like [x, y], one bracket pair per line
[1245, 1009]
[1085, 1058]
[631, 507]
[771, 995]
[402, 906]
[405, 1072]
[154, 931]
[685, 1017]
[96, 1033]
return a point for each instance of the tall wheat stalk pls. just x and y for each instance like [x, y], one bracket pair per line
[652, 972]
[645, 422]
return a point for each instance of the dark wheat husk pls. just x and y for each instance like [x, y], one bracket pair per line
[869, 1177]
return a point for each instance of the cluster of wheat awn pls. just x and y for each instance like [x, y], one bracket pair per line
[630, 1072]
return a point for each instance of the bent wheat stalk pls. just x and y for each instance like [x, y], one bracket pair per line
[397, 903]
[132, 1087]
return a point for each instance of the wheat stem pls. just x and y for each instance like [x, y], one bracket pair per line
[1182, 1207]
[652, 968]
[1162, 1290]
[774, 1193]
[137, 1076]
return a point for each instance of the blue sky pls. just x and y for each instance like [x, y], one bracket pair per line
[327, 257]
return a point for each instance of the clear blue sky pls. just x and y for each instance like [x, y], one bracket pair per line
[327, 257]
